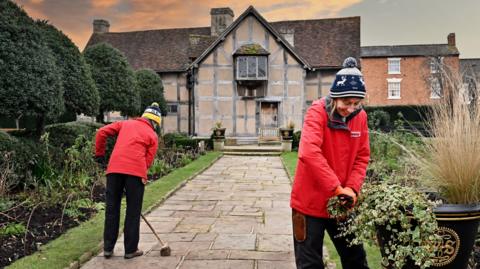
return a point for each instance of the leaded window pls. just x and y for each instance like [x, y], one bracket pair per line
[251, 68]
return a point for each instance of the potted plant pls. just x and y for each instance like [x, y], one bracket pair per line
[398, 216]
[451, 165]
[218, 130]
[287, 132]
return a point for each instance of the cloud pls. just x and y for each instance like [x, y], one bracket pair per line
[104, 3]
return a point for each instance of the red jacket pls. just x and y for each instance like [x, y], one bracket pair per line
[134, 149]
[328, 157]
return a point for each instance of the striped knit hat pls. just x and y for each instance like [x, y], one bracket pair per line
[348, 81]
[152, 112]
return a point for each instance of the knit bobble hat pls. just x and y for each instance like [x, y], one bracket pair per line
[348, 81]
[153, 112]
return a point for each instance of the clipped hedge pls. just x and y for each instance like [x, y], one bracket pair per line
[413, 117]
[409, 113]
[63, 135]
[25, 155]
[179, 140]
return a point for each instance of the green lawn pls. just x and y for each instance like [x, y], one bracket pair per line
[373, 253]
[86, 238]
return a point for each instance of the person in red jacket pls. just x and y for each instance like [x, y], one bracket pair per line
[134, 151]
[332, 160]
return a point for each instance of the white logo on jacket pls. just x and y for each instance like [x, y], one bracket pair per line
[356, 133]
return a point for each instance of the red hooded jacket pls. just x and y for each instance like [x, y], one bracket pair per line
[328, 157]
[134, 149]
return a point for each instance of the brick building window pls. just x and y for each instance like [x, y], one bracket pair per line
[435, 64]
[436, 92]
[394, 65]
[394, 88]
[252, 68]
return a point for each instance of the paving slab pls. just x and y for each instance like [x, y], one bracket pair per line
[235, 214]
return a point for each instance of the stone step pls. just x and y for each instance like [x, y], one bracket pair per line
[247, 140]
[252, 153]
[252, 148]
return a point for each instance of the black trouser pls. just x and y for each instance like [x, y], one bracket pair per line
[133, 186]
[308, 243]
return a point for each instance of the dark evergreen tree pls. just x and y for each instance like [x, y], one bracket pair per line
[115, 80]
[80, 92]
[30, 81]
[150, 87]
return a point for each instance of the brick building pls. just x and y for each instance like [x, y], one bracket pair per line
[246, 72]
[406, 74]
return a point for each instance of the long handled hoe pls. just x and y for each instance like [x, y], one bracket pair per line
[165, 249]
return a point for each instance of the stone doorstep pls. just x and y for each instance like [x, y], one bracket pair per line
[253, 148]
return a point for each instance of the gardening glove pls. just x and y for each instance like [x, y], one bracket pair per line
[101, 161]
[347, 196]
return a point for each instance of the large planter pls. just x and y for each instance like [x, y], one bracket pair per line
[219, 133]
[286, 133]
[458, 226]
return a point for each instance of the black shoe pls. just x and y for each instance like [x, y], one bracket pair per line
[107, 254]
[134, 254]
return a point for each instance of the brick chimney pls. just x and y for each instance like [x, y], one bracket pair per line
[100, 26]
[221, 19]
[451, 39]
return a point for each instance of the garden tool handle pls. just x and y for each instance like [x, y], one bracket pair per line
[151, 228]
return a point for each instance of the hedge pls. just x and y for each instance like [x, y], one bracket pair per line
[63, 135]
[413, 117]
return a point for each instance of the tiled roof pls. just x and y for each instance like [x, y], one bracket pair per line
[470, 67]
[323, 43]
[161, 50]
[409, 50]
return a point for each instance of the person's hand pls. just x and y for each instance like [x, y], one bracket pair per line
[101, 161]
[144, 181]
[347, 196]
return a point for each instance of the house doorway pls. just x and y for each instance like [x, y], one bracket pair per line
[268, 122]
[269, 115]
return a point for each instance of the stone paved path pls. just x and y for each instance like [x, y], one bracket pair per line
[236, 215]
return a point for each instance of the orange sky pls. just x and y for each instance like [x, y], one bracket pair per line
[383, 22]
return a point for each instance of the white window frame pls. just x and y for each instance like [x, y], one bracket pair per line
[434, 64]
[391, 82]
[257, 77]
[392, 64]
[435, 88]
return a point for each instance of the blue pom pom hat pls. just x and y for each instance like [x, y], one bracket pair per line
[348, 81]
